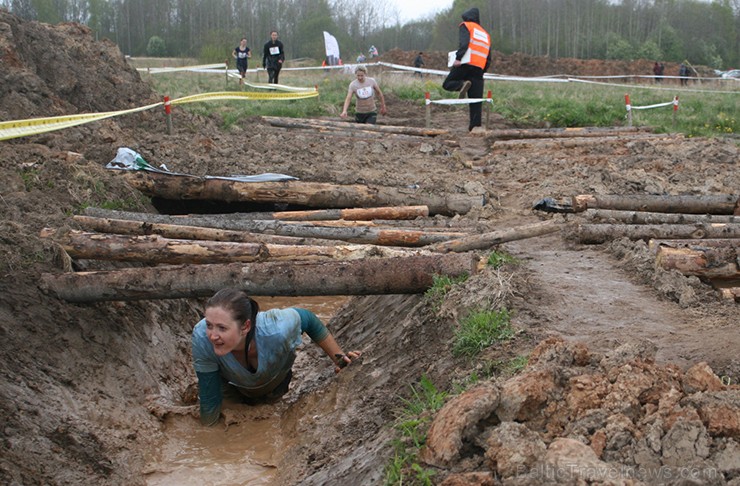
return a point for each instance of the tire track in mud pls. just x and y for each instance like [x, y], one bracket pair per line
[582, 295]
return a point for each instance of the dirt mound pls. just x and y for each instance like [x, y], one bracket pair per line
[574, 416]
[518, 64]
[59, 70]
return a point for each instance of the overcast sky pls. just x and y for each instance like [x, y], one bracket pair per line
[416, 9]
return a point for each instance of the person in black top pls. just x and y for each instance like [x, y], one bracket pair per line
[419, 63]
[273, 57]
[242, 53]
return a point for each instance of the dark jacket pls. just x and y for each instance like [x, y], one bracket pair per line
[470, 15]
[270, 61]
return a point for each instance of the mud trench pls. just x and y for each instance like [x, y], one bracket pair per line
[245, 452]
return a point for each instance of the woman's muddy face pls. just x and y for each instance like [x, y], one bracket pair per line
[223, 331]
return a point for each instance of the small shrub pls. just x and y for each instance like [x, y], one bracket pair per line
[156, 47]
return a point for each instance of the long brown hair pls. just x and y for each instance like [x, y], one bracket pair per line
[237, 303]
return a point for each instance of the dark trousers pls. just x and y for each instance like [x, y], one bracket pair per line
[370, 118]
[454, 81]
[273, 72]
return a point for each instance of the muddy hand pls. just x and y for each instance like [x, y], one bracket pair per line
[345, 359]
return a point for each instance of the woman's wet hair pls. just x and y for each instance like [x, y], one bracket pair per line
[361, 68]
[237, 303]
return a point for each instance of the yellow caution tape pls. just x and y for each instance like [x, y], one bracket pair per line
[245, 95]
[35, 126]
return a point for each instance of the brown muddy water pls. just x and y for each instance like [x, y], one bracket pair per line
[244, 454]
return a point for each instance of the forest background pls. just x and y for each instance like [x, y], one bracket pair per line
[702, 32]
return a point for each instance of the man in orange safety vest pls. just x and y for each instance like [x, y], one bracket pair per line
[472, 59]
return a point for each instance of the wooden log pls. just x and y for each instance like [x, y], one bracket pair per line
[708, 204]
[157, 249]
[700, 262]
[127, 227]
[578, 142]
[487, 240]
[643, 217]
[358, 277]
[600, 233]
[313, 123]
[354, 214]
[364, 235]
[534, 133]
[152, 248]
[729, 293]
[308, 194]
[655, 244]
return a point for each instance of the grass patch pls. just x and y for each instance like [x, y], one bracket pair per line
[498, 259]
[441, 284]
[480, 330]
[412, 424]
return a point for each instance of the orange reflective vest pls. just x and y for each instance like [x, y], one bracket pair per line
[479, 45]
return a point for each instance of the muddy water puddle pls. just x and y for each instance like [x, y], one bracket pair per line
[244, 454]
[209, 456]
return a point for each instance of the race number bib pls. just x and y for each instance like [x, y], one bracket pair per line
[365, 92]
[274, 51]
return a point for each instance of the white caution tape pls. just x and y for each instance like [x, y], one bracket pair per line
[464, 101]
[158, 70]
[647, 107]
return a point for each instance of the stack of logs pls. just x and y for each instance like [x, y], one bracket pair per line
[340, 251]
[695, 235]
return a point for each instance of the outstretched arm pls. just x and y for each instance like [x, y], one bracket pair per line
[312, 325]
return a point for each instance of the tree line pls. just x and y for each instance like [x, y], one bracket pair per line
[702, 32]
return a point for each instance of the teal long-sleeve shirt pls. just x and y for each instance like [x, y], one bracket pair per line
[277, 334]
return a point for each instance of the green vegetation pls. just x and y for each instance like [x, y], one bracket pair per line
[480, 330]
[412, 424]
[156, 47]
[528, 104]
[441, 284]
[30, 178]
[498, 259]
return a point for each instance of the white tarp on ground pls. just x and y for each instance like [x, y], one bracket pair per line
[127, 159]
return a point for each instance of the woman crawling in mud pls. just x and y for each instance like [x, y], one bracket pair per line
[252, 351]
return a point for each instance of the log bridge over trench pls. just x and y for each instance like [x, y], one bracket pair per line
[356, 241]
[361, 249]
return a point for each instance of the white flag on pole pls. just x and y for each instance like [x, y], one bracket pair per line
[332, 49]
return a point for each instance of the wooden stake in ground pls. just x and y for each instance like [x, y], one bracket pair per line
[407, 275]
[307, 194]
[488, 240]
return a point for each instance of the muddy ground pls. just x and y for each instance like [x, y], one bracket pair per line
[85, 389]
